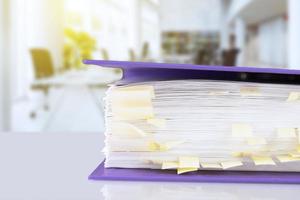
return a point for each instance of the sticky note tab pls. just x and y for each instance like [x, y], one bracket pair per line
[126, 130]
[148, 88]
[171, 144]
[153, 146]
[294, 155]
[188, 162]
[185, 170]
[298, 149]
[230, 164]
[132, 113]
[211, 165]
[250, 91]
[159, 123]
[237, 154]
[286, 132]
[130, 98]
[285, 158]
[263, 160]
[293, 96]
[169, 165]
[241, 130]
[256, 141]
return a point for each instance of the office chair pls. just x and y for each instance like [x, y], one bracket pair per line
[43, 68]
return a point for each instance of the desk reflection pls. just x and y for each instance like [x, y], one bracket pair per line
[174, 191]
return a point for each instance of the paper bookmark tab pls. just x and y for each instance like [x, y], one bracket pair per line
[148, 88]
[132, 113]
[286, 132]
[293, 96]
[294, 155]
[241, 130]
[130, 98]
[185, 170]
[230, 164]
[155, 146]
[250, 91]
[169, 165]
[171, 144]
[263, 160]
[286, 158]
[125, 129]
[189, 162]
[159, 123]
[211, 166]
[256, 141]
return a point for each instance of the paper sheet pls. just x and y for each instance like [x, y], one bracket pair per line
[286, 132]
[189, 162]
[185, 170]
[230, 164]
[124, 129]
[250, 91]
[169, 165]
[285, 158]
[159, 123]
[256, 141]
[263, 160]
[293, 96]
[241, 130]
[211, 165]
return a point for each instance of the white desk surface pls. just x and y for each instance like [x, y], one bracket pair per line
[56, 166]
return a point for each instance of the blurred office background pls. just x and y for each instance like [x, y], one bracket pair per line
[46, 88]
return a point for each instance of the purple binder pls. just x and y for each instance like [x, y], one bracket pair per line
[145, 71]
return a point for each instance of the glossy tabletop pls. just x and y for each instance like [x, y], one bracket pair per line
[56, 166]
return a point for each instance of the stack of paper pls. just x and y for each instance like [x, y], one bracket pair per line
[190, 125]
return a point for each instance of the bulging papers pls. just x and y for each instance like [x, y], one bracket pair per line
[190, 125]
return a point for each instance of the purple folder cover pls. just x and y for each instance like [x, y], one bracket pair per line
[145, 71]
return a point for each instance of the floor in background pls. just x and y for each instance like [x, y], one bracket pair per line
[72, 109]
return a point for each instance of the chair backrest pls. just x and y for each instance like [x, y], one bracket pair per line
[42, 61]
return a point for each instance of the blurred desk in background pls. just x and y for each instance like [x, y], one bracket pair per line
[94, 77]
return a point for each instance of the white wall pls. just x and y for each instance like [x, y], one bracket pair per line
[35, 23]
[272, 42]
[190, 15]
[294, 34]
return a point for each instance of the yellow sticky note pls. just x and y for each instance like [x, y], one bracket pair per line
[284, 158]
[293, 96]
[286, 132]
[256, 141]
[263, 160]
[230, 164]
[185, 170]
[171, 144]
[126, 130]
[211, 165]
[148, 88]
[153, 146]
[130, 98]
[132, 113]
[237, 154]
[169, 165]
[298, 149]
[159, 123]
[294, 155]
[188, 162]
[250, 91]
[241, 130]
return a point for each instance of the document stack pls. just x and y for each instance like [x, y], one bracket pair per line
[201, 124]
